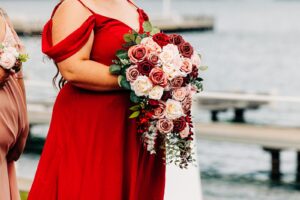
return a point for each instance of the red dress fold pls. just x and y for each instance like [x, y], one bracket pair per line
[92, 151]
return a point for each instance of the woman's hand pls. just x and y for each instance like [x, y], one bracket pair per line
[4, 75]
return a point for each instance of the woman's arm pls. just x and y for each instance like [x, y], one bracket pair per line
[79, 69]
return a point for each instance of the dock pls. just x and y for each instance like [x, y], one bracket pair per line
[34, 26]
[271, 138]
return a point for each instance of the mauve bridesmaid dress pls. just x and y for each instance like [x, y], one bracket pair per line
[13, 124]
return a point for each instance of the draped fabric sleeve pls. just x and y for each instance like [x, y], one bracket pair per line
[71, 44]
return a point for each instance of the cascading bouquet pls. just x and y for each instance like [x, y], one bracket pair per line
[162, 73]
[10, 58]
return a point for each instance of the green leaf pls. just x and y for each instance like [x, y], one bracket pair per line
[134, 98]
[147, 26]
[135, 108]
[138, 40]
[203, 68]
[132, 37]
[122, 54]
[115, 69]
[154, 31]
[134, 114]
[125, 84]
[23, 57]
[127, 37]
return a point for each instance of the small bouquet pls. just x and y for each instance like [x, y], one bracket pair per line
[10, 58]
[162, 73]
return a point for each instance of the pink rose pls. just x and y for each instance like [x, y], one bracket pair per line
[177, 82]
[160, 111]
[179, 94]
[185, 132]
[154, 58]
[187, 66]
[187, 104]
[164, 126]
[132, 73]
[158, 77]
[138, 53]
[7, 60]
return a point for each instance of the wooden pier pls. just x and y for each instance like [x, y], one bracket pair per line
[271, 138]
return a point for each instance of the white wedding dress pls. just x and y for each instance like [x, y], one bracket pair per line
[182, 184]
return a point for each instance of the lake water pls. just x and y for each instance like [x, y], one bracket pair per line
[255, 47]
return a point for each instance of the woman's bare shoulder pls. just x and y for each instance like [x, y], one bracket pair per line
[69, 16]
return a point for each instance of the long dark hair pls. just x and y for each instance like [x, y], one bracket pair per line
[58, 83]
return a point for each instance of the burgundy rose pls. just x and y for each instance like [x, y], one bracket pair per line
[153, 102]
[145, 67]
[138, 53]
[167, 95]
[186, 50]
[160, 111]
[158, 77]
[195, 72]
[179, 124]
[176, 39]
[161, 39]
[177, 82]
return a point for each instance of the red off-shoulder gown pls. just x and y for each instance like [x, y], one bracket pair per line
[92, 150]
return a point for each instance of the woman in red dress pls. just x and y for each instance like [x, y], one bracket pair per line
[92, 150]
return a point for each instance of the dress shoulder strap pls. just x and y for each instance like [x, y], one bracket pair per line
[57, 6]
[133, 4]
[86, 6]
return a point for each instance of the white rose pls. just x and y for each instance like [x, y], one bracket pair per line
[173, 109]
[141, 86]
[196, 60]
[171, 71]
[179, 94]
[156, 92]
[7, 60]
[169, 53]
[12, 50]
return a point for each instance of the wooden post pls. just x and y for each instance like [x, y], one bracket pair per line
[239, 115]
[214, 115]
[275, 174]
[298, 169]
